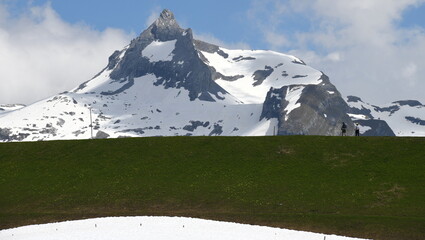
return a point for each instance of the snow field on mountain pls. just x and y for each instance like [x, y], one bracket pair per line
[141, 110]
[166, 111]
[286, 71]
[292, 96]
[156, 228]
[160, 51]
[4, 108]
[396, 120]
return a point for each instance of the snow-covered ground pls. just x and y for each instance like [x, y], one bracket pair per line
[156, 228]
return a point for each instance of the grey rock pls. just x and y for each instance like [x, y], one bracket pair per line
[261, 75]
[101, 135]
[217, 130]
[353, 99]
[195, 124]
[415, 120]
[299, 62]
[136, 130]
[242, 58]
[363, 111]
[217, 75]
[309, 118]
[129, 83]
[49, 130]
[206, 47]
[391, 109]
[78, 132]
[5, 134]
[378, 127]
[411, 103]
[299, 76]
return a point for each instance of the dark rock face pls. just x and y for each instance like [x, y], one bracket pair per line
[411, 103]
[364, 111]
[241, 58]
[378, 127]
[415, 120]
[185, 70]
[101, 135]
[320, 112]
[391, 109]
[195, 124]
[217, 130]
[211, 48]
[261, 75]
[272, 106]
[353, 99]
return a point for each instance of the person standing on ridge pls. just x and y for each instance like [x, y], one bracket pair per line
[344, 129]
[357, 130]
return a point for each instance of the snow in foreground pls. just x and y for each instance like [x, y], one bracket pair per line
[161, 228]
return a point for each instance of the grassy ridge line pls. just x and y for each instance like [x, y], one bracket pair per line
[365, 187]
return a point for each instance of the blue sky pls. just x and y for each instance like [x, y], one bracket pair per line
[362, 45]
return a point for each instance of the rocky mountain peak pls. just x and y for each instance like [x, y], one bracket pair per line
[166, 15]
[164, 28]
[166, 19]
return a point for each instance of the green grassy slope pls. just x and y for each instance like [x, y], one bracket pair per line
[364, 187]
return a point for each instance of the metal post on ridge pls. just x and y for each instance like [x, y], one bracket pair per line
[91, 125]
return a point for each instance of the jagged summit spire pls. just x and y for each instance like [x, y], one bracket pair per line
[166, 14]
[166, 19]
[164, 28]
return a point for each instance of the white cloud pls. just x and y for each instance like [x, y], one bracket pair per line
[42, 55]
[359, 44]
[334, 56]
[276, 40]
[153, 16]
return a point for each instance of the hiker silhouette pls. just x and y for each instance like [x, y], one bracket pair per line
[344, 129]
[357, 130]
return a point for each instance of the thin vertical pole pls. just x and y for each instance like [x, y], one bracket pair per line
[91, 125]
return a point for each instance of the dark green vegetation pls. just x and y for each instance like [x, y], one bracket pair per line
[368, 187]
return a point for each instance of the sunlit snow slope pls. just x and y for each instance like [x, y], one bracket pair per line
[4, 108]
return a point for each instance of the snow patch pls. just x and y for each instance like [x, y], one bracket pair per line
[292, 96]
[159, 228]
[364, 129]
[265, 127]
[160, 51]
[357, 116]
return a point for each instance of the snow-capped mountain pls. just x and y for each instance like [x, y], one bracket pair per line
[400, 118]
[165, 83]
